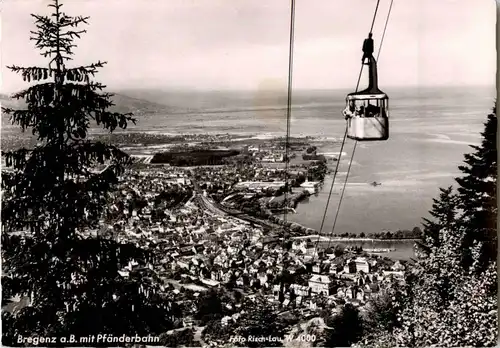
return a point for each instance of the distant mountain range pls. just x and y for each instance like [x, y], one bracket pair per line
[8, 102]
[123, 104]
[207, 101]
[149, 101]
[156, 101]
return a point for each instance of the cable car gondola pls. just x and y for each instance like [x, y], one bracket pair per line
[367, 111]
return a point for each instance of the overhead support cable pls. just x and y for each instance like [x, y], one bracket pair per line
[355, 143]
[288, 113]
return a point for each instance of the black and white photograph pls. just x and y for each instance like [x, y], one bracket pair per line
[243, 173]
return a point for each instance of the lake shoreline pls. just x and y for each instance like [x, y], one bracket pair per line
[342, 239]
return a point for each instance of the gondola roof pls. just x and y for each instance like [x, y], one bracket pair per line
[372, 92]
[364, 96]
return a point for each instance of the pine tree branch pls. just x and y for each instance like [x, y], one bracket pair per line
[82, 73]
[23, 118]
[31, 74]
[67, 21]
[71, 34]
[49, 54]
[53, 193]
[55, 5]
[45, 23]
[113, 120]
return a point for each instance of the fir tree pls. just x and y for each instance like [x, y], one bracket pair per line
[444, 303]
[381, 312]
[209, 306]
[346, 328]
[444, 213]
[477, 191]
[261, 321]
[447, 305]
[53, 195]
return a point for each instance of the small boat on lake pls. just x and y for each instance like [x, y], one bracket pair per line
[379, 250]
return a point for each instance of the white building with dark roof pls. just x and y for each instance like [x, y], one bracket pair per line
[320, 284]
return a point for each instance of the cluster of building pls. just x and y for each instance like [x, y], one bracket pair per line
[274, 151]
[254, 178]
[143, 201]
[291, 282]
[259, 186]
[198, 249]
[347, 277]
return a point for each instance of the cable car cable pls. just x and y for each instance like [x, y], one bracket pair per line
[374, 16]
[342, 194]
[385, 28]
[341, 148]
[334, 176]
[354, 148]
[288, 112]
[333, 182]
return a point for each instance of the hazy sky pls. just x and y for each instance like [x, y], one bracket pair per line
[241, 44]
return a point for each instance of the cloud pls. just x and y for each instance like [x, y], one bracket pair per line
[241, 43]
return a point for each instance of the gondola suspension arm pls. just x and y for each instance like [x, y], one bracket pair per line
[356, 142]
[343, 142]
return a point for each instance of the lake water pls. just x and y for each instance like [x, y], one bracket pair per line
[429, 136]
[399, 249]
[430, 130]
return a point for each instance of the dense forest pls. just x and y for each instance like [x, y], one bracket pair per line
[195, 157]
[450, 295]
[69, 280]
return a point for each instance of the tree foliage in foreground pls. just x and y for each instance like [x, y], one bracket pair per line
[346, 328]
[443, 304]
[53, 195]
[444, 215]
[450, 296]
[478, 198]
[473, 207]
[260, 322]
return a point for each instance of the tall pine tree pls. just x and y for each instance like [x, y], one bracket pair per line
[450, 296]
[444, 214]
[346, 328]
[442, 304]
[53, 195]
[260, 321]
[477, 193]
